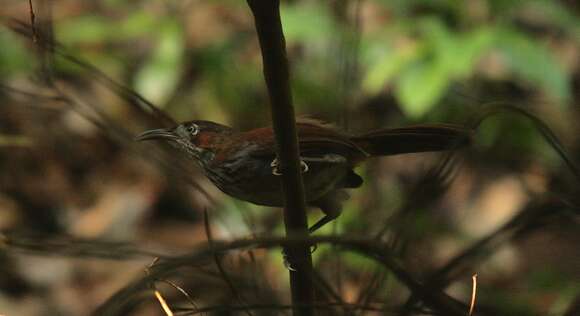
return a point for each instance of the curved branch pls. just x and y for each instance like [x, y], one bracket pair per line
[378, 252]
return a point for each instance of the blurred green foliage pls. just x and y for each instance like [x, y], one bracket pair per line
[14, 57]
[423, 49]
[437, 55]
[160, 74]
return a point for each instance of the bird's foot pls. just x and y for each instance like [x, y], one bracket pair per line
[275, 164]
[313, 248]
[286, 260]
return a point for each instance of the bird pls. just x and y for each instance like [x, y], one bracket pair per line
[243, 164]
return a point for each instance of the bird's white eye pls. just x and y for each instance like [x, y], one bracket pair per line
[193, 129]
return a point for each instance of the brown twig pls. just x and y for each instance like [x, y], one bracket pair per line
[377, 281]
[481, 249]
[278, 307]
[182, 291]
[219, 265]
[32, 21]
[473, 294]
[163, 303]
[133, 98]
[69, 246]
[276, 73]
[433, 298]
[156, 292]
[543, 128]
[159, 296]
[324, 288]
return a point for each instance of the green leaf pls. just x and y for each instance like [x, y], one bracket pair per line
[533, 62]
[420, 88]
[136, 24]
[307, 23]
[458, 53]
[465, 52]
[389, 65]
[159, 77]
[425, 68]
[552, 13]
[15, 141]
[84, 29]
[14, 58]
[98, 29]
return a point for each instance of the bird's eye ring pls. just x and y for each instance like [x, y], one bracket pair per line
[193, 129]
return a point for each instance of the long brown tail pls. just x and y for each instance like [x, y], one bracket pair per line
[414, 139]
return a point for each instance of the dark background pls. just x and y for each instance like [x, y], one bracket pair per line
[70, 171]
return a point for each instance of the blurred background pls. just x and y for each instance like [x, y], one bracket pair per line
[73, 183]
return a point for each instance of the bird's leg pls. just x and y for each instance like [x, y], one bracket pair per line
[323, 221]
[286, 260]
[330, 204]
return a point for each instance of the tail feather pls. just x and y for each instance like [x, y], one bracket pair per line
[414, 139]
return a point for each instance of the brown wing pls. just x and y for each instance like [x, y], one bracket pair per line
[314, 140]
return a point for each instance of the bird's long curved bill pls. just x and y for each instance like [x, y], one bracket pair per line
[156, 134]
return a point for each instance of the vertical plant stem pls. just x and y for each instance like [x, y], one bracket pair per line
[276, 73]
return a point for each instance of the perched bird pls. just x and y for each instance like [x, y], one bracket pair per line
[244, 164]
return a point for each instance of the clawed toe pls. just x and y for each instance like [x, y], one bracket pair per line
[286, 261]
[313, 248]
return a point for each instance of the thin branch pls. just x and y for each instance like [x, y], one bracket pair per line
[219, 265]
[32, 22]
[182, 291]
[133, 98]
[276, 73]
[156, 292]
[379, 252]
[544, 130]
[69, 246]
[473, 294]
[158, 295]
[326, 306]
[377, 281]
[163, 303]
[323, 287]
[481, 249]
